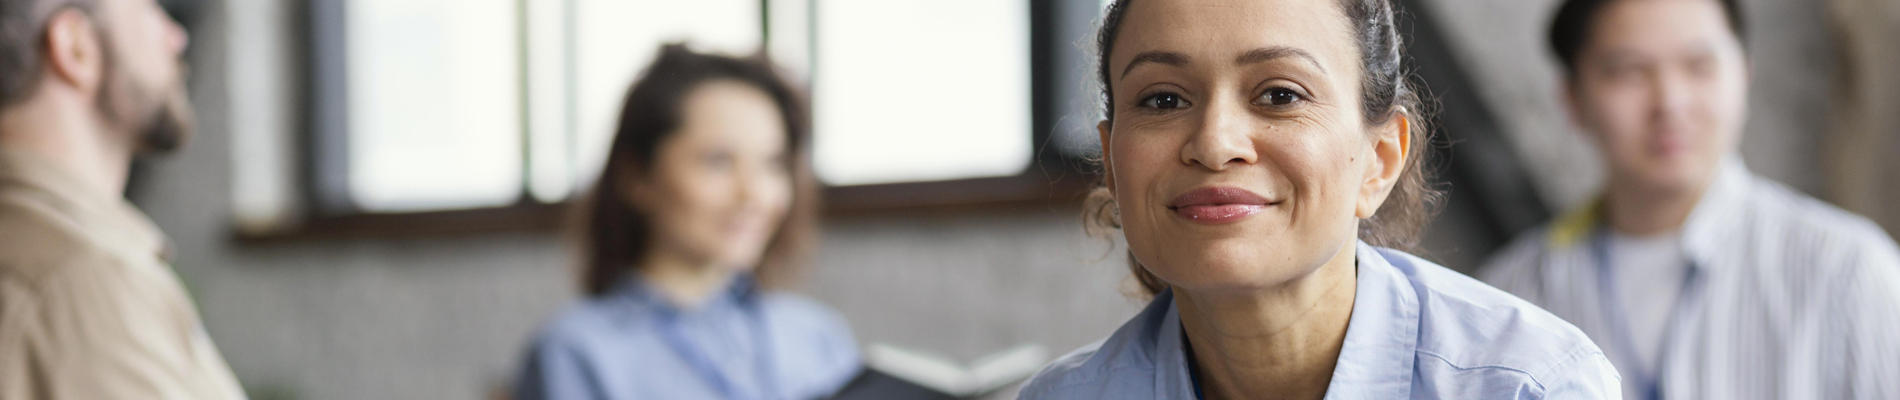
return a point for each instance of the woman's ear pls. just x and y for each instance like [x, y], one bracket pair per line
[1391, 145]
[1108, 165]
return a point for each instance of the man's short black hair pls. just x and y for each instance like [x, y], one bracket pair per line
[1570, 30]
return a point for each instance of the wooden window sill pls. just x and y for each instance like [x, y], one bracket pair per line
[1026, 190]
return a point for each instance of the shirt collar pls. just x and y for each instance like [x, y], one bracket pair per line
[107, 215]
[1717, 213]
[1172, 379]
[1712, 220]
[1376, 360]
[639, 292]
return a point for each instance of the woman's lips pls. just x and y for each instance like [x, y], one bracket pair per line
[1218, 205]
[1220, 214]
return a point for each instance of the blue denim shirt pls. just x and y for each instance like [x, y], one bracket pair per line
[1417, 331]
[625, 345]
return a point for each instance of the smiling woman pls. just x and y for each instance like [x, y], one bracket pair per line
[1385, 88]
[1260, 157]
[696, 219]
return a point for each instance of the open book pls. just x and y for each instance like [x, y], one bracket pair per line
[893, 372]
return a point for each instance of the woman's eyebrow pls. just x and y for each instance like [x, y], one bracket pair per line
[1156, 57]
[1254, 56]
[1265, 54]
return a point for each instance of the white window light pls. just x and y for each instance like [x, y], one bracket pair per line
[920, 90]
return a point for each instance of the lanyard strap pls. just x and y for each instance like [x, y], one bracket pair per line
[702, 364]
[1650, 382]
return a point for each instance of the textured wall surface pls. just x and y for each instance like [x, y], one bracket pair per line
[1860, 160]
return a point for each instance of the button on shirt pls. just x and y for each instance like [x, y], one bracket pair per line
[618, 346]
[89, 307]
[1796, 300]
[1417, 331]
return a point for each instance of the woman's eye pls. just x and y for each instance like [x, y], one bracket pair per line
[1164, 101]
[1279, 97]
[781, 165]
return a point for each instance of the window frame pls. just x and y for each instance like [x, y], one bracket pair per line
[326, 210]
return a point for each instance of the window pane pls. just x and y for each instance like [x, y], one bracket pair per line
[791, 38]
[615, 39]
[550, 134]
[921, 90]
[434, 104]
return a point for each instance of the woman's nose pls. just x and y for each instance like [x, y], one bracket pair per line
[1222, 140]
[743, 188]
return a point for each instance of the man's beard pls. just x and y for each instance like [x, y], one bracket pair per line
[169, 126]
[160, 119]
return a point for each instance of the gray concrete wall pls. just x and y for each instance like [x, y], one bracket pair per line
[1859, 154]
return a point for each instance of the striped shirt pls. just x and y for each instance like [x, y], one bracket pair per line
[1787, 297]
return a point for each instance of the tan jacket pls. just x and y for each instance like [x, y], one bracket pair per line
[89, 308]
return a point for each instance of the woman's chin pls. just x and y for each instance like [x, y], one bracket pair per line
[1213, 270]
[1225, 279]
[737, 262]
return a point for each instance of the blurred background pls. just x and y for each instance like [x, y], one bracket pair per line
[372, 207]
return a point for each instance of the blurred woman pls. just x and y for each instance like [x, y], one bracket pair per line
[705, 203]
[1261, 158]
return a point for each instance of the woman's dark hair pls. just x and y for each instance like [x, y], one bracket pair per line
[1570, 29]
[615, 236]
[1385, 90]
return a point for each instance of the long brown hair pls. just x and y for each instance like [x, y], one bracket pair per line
[614, 236]
[1385, 90]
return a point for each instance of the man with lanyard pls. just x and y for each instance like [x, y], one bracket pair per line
[1698, 279]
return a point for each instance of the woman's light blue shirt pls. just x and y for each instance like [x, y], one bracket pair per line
[616, 347]
[1417, 331]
